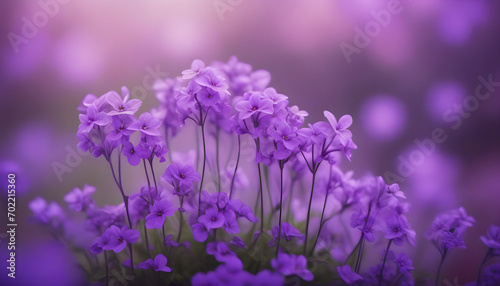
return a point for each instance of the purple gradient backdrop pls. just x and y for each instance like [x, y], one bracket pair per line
[426, 59]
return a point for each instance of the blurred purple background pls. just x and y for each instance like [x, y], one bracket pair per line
[414, 66]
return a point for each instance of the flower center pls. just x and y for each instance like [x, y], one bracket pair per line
[132, 151]
[395, 229]
[120, 108]
[284, 137]
[144, 127]
[182, 176]
[160, 213]
[254, 108]
[213, 218]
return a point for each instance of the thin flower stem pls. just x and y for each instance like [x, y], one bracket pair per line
[197, 139]
[383, 263]
[281, 205]
[204, 163]
[217, 159]
[261, 200]
[354, 249]
[360, 254]
[125, 198]
[147, 240]
[131, 258]
[153, 173]
[321, 223]
[147, 176]
[235, 167]
[106, 266]
[180, 221]
[167, 144]
[440, 265]
[290, 197]
[315, 169]
[486, 258]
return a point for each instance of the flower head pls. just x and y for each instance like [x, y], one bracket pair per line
[79, 199]
[122, 105]
[159, 264]
[492, 238]
[158, 212]
[117, 238]
[289, 264]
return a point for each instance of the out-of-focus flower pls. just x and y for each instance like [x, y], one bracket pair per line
[345, 272]
[159, 264]
[289, 264]
[492, 238]
[79, 199]
[288, 232]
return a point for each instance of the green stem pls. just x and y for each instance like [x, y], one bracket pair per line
[281, 205]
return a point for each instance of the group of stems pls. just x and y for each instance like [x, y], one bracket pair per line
[125, 201]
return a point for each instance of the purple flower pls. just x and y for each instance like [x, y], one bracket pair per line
[491, 275]
[282, 132]
[242, 210]
[196, 67]
[223, 254]
[78, 199]
[181, 176]
[397, 228]
[350, 277]
[159, 264]
[51, 213]
[230, 223]
[456, 221]
[271, 94]
[317, 132]
[147, 125]
[288, 232]
[200, 232]
[158, 212]
[449, 240]
[492, 238]
[403, 263]
[236, 241]
[266, 278]
[91, 119]
[289, 264]
[119, 237]
[256, 103]
[170, 242]
[100, 242]
[122, 106]
[212, 218]
[340, 127]
[134, 154]
[208, 78]
[208, 97]
[120, 131]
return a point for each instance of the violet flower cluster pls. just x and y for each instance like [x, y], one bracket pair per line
[260, 200]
